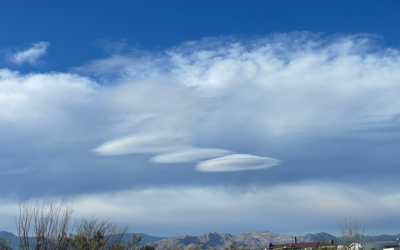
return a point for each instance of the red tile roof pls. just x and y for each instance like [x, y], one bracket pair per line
[302, 245]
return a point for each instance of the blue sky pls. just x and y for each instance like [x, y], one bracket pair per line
[182, 117]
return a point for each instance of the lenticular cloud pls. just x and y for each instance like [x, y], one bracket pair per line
[237, 162]
[190, 154]
[140, 144]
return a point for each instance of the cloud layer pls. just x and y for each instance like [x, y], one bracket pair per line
[326, 107]
[312, 205]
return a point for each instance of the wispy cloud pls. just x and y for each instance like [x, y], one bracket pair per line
[30, 55]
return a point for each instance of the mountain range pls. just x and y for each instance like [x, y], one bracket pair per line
[252, 240]
[208, 240]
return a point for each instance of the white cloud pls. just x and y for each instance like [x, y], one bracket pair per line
[236, 162]
[141, 144]
[276, 83]
[30, 55]
[189, 155]
[42, 99]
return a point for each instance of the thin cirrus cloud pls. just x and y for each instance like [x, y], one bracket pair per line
[189, 155]
[237, 162]
[30, 55]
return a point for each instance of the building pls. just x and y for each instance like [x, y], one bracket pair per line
[377, 245]
[302, 246]
[392, 248]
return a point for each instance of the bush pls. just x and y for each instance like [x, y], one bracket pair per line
[5, 244]
[146, 248]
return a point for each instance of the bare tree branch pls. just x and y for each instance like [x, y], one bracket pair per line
[352, 232]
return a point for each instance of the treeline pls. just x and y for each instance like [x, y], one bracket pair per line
[54, 230]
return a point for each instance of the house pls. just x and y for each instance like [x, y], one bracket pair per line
[301, 246]
[377, 245]
[397, 247]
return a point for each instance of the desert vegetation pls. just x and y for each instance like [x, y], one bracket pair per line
[39, 228]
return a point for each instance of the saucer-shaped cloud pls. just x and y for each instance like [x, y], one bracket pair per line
[190, 155]
[237, 162]
[140, 144]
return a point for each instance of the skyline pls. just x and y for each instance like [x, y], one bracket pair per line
[206, 131]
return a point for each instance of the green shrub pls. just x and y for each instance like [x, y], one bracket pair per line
[5, 244]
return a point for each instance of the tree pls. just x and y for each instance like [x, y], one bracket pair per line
[111, 234]
[352, 232]
[146, 247]
[236, 246]
[41, 231]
